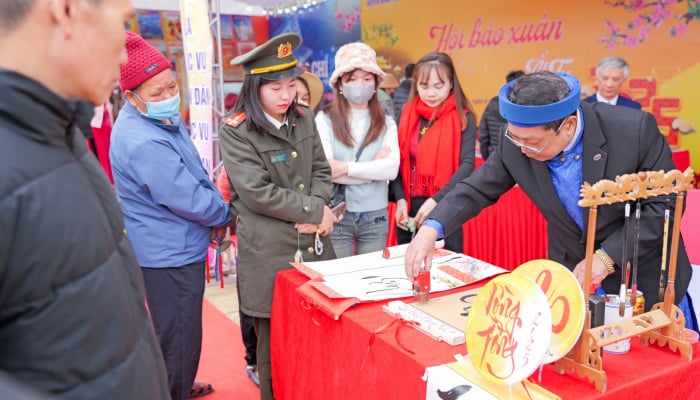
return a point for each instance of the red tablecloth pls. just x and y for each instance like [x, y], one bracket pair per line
[690, 226]
[314, 357]
[507, 234]
[681, 158]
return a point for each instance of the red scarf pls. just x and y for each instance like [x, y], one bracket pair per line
[438, 150]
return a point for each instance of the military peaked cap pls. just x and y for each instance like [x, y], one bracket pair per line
[273, 60]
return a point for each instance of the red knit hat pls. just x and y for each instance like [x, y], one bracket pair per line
[145, 62]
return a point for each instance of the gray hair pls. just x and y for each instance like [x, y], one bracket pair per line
[13, 12]
[613, 62]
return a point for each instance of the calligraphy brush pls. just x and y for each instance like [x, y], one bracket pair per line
[635, 260]
[623, 279]
[667, 217]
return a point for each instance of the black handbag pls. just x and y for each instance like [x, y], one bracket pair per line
[337, 194]
[338, 190]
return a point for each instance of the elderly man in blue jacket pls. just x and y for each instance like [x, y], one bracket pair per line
[610, 74]
[171, 208]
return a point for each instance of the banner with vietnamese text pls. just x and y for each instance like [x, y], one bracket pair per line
[198, 55]
[659, 39]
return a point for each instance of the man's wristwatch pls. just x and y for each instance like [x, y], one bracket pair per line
[606, 260]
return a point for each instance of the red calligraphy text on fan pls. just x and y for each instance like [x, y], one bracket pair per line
[503, 309]
[558, 303]
[531, 339]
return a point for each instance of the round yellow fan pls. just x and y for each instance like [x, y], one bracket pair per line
[566, 302]
[508, 329]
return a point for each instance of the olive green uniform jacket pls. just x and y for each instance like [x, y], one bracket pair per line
[277, 179]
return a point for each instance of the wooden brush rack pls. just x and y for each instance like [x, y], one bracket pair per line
[664, 325]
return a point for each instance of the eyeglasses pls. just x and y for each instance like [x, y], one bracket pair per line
[531, 149]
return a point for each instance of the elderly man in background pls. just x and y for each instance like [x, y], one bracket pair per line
[73, 321]
[610, 75]
[171, 208]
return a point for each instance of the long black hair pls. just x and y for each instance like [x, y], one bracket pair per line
[250, 103]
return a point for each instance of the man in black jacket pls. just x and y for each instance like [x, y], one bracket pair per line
[73, 321]
[553, 144]
[402, 92]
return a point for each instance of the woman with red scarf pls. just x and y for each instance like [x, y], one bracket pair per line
[437, 139]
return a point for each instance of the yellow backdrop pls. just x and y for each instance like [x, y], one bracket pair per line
[660, 40]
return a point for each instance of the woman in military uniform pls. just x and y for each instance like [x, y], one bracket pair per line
[280, 181]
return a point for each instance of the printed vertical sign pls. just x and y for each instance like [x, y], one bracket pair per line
[198, 51]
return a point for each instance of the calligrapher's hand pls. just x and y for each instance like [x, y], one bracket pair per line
[401, 214]
[424, 211]
[420, 251]
[598, 272]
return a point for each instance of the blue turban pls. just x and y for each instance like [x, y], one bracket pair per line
[530, 116]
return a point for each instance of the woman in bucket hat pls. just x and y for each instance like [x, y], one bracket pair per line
[361, 144]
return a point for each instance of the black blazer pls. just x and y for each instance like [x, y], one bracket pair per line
[616, 141]
[621, 101]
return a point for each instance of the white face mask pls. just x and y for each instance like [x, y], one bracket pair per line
[358, 94]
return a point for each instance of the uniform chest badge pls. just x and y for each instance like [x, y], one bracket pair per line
[277, 158]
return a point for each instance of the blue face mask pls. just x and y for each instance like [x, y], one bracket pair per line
[164, 109]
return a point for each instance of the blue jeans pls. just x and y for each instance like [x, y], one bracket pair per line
[360, 232]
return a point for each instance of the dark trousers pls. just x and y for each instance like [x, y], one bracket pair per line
[250, 339]
[174, 297]
[262, 328]
[453, 241]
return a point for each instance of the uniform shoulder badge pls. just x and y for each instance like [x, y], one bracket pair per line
[236, 119]
[300, 110]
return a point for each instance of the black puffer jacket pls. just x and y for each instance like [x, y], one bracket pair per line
[73, 320]
[491, 128]
[400, 97]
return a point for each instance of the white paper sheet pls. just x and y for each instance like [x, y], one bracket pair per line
[370, 277]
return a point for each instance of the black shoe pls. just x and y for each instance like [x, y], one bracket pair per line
[252, 371]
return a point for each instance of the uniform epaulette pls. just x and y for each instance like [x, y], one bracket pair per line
[300, 110]
[236, 119]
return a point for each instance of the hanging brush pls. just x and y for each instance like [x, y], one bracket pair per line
[623, 279]
[635, 256]
[662, 281]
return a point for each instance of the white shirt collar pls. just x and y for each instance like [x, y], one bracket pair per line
[603, 100]
[274, 121]
[577, 133]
